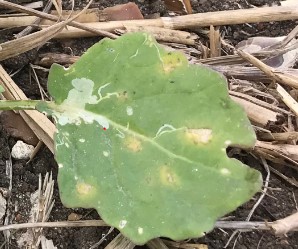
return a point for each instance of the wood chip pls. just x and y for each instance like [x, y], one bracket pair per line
[283, 226]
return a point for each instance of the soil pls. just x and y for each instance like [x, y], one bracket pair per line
[279, 202]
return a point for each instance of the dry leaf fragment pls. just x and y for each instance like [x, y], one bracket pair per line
[179, 5]
[259, 44]
[285, 225]
[128, 11]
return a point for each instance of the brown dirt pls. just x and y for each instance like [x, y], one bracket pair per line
[279, 202]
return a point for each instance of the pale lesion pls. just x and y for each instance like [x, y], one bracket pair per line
[84, 188]
[133, 144]
[168, 176]
[199, 136]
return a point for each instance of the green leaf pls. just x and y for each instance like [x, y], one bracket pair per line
[142, 137]
[2, 89]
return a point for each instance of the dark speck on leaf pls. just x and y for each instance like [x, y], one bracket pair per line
[225, 103]
[172, 81]
[134, 92]
[111, 50]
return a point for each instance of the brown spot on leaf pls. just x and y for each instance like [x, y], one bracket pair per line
[122, 96]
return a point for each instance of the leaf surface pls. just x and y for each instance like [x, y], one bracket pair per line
[142, 137]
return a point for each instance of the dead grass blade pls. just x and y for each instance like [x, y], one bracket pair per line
[291, 181]
[281, 77]
[15, 47]
[258, 102]
[184, 245]
[287, 99]
[120, 242]
[58, 7]
[164, 35]
[42, 204]
[157, 244]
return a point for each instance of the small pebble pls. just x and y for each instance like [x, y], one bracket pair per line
[21, 150]
[74, 217]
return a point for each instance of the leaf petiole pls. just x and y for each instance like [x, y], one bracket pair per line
[18, 104]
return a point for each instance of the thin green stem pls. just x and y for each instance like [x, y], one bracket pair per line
[18, 104]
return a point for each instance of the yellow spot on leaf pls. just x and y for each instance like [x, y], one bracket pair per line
[171, 61]
[199, 136]
[133, 144]
[84, 188]
[168, 176]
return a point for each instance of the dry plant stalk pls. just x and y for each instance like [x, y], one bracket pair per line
[215, 41]
[241, 72]
[218, 18]
[287, 99]
[16, 20]
[257, 114]
[184, 245]
[156, 244]
[165, 35]
[281, 77]
[120, 242]
[281, 137]
[63, 59]
[240, 225]
[90, 15]
[222, 61]
[288, 150]
[258, 102]
[15, 47]
[36, 22]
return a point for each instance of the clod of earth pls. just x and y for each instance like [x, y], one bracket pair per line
[142, 137]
